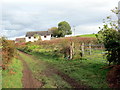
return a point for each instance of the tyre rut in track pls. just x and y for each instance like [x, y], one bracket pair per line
[28, 80]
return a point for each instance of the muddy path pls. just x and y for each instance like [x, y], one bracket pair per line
[29, 81]
[72, 82]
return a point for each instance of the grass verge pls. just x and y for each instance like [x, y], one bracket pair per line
[0, 78]
[12, 77]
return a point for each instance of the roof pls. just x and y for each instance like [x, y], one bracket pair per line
[19, 39]
[42, 33]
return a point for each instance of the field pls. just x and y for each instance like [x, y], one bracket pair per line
[46, 64]
[87, 35]
[11, 78]
[86, 70]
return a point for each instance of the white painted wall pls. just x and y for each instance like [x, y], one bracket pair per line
[48, 37]
[32, 39]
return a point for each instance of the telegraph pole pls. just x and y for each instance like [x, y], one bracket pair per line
[74, 30]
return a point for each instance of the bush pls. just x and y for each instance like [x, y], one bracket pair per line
[111, 40]
[8, 51]
[64, 48]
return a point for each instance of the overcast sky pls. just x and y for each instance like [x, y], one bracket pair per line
[20, 16]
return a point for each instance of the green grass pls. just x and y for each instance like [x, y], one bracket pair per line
[88, 35]
[88, 71]
[0, 78]
[13, 80]
[38, 67]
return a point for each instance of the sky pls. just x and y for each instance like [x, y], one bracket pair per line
[20, 16]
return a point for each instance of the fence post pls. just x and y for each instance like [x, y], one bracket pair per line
[90, 48]
[71, 50]
[82, 48]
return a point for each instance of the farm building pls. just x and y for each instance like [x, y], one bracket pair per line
[19, 40]
[38, 35]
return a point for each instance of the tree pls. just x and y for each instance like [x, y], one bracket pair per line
[64, 29]
[37, 36]
[109, 35]
[54, 31]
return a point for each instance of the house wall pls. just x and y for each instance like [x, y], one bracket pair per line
[32, 39]
[48, 37]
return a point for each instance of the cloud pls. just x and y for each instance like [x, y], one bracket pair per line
[88, 29]
[20, 16]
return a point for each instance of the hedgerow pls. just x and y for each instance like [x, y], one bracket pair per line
[66, 48]
[8, 51]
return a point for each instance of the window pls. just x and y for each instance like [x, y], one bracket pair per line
[45, 36]
[29, 37]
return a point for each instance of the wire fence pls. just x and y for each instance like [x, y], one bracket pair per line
[95, 52]
[88, 49]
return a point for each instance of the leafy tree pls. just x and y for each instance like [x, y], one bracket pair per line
[109, 35]
[54, 31]
[37, 36]
[64, 29]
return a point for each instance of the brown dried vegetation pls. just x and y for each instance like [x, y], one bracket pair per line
[113, 77]
[8, 51]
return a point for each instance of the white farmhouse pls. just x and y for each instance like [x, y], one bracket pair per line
[36, 35]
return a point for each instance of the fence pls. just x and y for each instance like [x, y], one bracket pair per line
[90, 48]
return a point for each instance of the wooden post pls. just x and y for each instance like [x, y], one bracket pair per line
[71, 50]
[101, 46]
[90, 48]
[82, 49]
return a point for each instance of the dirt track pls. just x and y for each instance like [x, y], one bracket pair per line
[30, 82]
[72, 82]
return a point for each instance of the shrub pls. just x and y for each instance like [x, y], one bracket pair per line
[111, 40]
[8, 50]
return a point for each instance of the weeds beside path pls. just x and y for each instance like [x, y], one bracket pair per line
[45, 73]
[11, 77]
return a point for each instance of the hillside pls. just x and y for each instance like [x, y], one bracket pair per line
[87, 35]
